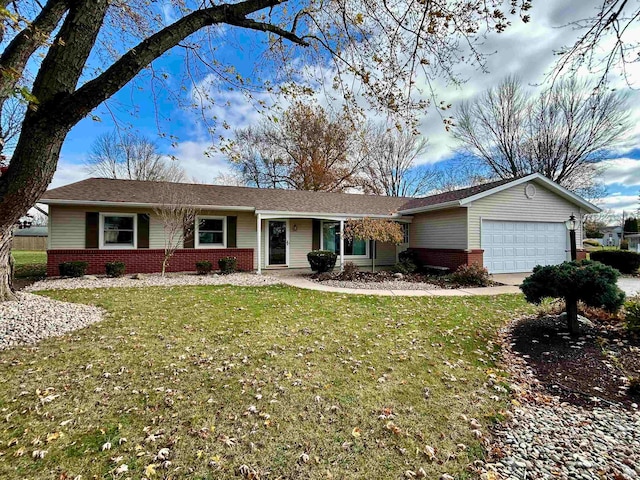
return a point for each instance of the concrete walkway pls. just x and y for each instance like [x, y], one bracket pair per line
[300, 282]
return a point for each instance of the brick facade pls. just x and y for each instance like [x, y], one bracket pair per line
[448, 257]
[147, 260]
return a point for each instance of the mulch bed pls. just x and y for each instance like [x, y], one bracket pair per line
[588, 369]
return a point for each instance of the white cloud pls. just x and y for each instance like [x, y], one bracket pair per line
[622, 171]
[619, 202]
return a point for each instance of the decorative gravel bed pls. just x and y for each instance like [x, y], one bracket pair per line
[154, 280]
[547, 437]
[33, 318]
[386, 285]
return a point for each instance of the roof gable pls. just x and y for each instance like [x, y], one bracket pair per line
[468, 195]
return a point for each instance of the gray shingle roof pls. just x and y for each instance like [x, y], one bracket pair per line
[140, 192]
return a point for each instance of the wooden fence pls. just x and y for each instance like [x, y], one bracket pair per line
[29, 243]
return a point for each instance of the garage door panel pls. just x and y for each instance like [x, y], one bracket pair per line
[520, 246]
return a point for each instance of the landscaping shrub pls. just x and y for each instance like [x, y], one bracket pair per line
[203, 267]
[35, 271]
[410, 256]
[593, 283]
[349, 272]
[624, 245]
[73, 269]
[321, 260]
[624, 261]
[405, 267]
[115, 269]
[228, 265]
[591, 242]
[632, 314]
[471, 275]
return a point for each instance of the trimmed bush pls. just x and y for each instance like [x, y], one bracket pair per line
[410, 256]
[591, 242]
[471, 275]
[593, 283]
[322, 260]
[228, 265]
[624, 261]
[203, 267]
[632, 314]
[115, 269]
[73, 269]
[405, 267]
[624, 245]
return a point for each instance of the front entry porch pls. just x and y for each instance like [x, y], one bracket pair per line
[283, 242]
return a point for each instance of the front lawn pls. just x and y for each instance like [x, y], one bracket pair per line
[274, 382]
[29, 257]
[29, 264]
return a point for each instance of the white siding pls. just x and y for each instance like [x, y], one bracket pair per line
[439, 229]
[513, 205]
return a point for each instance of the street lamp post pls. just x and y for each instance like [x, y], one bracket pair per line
[572, 301]
[571, 226]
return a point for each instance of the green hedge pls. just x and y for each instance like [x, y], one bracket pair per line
[622, 260]
[115, 269]
[322, 260]
[228, 265]
[73, 269]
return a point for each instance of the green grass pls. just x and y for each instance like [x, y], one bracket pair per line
[182, 367]
[27, 257]
[29, 264]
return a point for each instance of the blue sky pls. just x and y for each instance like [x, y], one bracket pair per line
[524, 50]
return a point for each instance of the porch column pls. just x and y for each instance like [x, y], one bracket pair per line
[341, 245]
[259, 243]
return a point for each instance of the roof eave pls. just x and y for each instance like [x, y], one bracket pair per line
[429, 208]
[55, 201]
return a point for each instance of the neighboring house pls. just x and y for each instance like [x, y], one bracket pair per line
[611, 236]
[508, 226]
[634, 241]
[31, 238]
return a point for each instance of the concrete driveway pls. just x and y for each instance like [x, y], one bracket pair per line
[510, 278]
[629, 285]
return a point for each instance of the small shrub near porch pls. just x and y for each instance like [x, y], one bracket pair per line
[228, 265]
[322, 260]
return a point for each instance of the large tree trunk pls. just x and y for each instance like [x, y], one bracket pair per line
[6, 266]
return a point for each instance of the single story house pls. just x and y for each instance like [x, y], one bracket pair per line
[507, 225]
[611, 236]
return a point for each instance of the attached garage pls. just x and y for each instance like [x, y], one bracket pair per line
[509, 226]
[511, 247]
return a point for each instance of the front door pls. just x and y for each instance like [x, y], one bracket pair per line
[277, 242]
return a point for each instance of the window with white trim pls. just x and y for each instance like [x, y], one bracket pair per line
[211, 232]
[118, 230]
[331, 241]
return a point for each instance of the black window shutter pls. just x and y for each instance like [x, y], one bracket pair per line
[143, 230]
[92, 225]
[373, 251]
[232, 232]
[189, 232]
[315, 235]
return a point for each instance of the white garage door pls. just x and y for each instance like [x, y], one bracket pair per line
[519, 246]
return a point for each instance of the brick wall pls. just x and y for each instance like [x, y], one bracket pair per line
[448, 257]
[147, 260]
